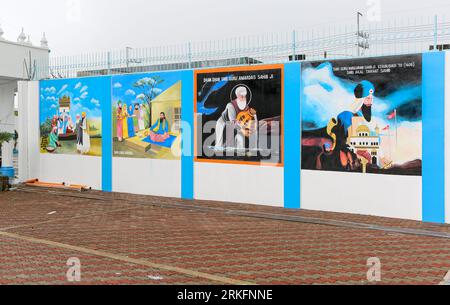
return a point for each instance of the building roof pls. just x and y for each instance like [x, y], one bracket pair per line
[64, 101]
[173, 94]
[363, 128]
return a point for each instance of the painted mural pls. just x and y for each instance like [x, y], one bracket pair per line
[147, 116]
[363, 116]
[71, 116]
[239, 115]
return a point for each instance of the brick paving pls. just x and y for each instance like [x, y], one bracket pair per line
[29, 263]
[203, 244]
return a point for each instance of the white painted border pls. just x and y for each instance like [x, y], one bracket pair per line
[263, 185]
[365, 194]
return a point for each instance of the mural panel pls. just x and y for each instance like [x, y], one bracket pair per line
[71, 116]
[363, 116]
[239, 115]
[147, 116]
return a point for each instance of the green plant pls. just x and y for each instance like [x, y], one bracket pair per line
[46, 128]
[6, 137]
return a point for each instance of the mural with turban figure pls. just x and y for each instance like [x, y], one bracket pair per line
[239, 115]
[363, 116]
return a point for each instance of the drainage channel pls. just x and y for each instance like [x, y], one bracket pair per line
[250, 214]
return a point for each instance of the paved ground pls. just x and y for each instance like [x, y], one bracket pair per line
[127, 239]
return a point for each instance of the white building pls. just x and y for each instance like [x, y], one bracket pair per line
[363, 140]
[18, 61]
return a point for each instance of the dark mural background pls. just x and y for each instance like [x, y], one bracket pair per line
[217, 89]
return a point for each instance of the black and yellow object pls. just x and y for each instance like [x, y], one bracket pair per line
[331, 125]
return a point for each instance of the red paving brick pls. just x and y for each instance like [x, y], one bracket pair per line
[24, 262]
[249, 249]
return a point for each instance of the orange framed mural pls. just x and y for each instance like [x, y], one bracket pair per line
[239, 115]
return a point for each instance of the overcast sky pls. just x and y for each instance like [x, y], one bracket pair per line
[76, 26]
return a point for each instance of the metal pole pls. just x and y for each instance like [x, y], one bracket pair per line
[293, 45]
[396, 131]
[109, 62]
[128, 56]
[435, 32]
[358, 14]
[190, 55]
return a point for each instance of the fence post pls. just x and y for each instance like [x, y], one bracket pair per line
[109, 62]
[435, 32]
[190, 55]
[294, 43]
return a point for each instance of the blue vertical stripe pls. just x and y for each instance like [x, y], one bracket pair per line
[433, 137]
[187, 115]
[292, 135]
[107, 136]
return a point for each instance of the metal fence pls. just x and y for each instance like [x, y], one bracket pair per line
[410, 35]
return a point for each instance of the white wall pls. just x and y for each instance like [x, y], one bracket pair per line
[7, 118]
[447, 137]
[28, 129]
[13, 56]
[368, 194]
[71, 169]
[147, 177]
[263, 185]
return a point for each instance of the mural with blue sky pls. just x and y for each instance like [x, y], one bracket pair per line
[363, 110]
[328, 94]
[137, 130]
[125, 91]
[86, 95]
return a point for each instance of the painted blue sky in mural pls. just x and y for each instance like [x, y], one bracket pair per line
[86, 95]
[123, 89]
[327, 95]
[201, 107]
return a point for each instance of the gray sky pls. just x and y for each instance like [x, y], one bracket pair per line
[100, 25]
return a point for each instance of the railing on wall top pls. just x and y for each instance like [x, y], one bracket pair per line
[324, 42]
